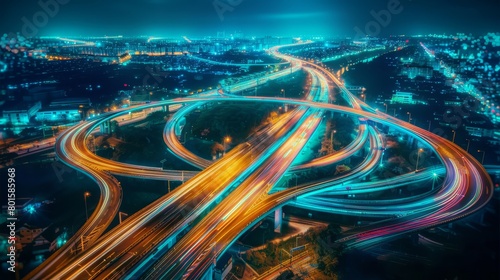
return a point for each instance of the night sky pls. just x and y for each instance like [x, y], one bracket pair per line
[194, 18]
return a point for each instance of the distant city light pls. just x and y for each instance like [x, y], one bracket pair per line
[30, 209]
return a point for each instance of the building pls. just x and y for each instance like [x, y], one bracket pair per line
[59, 114]
[495, 140]
[21, 114]
[223, 267]
[28, 234]
[453, 103]
[71, 102]
[42, 93]
[49, 241]
[413, 71]
[402, 98]
[65, 110]
[480, 130]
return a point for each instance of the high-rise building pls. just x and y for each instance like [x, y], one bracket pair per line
[402, 98]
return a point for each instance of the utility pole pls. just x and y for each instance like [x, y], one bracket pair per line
[85, 195]
[81, 241]
[120, 214]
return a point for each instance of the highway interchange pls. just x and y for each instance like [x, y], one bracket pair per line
[179, 235]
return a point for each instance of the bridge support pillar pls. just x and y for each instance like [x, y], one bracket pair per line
[361, 152]
[483, 217]
[386, 129]
[412, 142]
[105, 127]
[108, 127]
[209, 274]
[278, 219]
[415, 239]
[365, 178]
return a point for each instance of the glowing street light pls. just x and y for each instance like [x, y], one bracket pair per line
[434, 177]
[85, 195]
[385, 104]
[409, 116]
[331, 135]
[226, 139]
[482, 159]
[331, 139]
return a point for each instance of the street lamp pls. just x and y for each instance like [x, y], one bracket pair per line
[226, 139]
[418, 157]
[385, 104]
[454, 134]
[364, 97]
[409, 116]
[331, 136]
[434, 177]
[430, 122]
[468, 144]
[85, 195]
[283, 92]
[484, 152]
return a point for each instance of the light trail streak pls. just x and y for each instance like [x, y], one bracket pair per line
[460, 195]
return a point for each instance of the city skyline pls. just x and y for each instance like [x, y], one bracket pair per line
[206, 18]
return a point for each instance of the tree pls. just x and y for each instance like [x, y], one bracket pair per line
[273, 115]
[341, 169]
[250, 256]
[260, 259]
[217, 148]
[29, 131]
